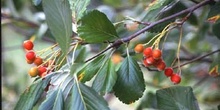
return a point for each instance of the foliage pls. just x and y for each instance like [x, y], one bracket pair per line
[80, 77]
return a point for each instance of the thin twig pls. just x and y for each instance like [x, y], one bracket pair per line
[196, 59]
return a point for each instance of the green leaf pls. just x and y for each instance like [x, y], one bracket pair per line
[66, 86]
[59, 21]
[176, 98]
[85, 98]
[148, 101]
[215, 29]
[130, 85]
[155, 4]
[106, 78]
[96, 28]
[172, 8]
[91, 69]
[61, 61]
[36, 2]
[214, 69]
[80, 54]
[175, 7]
[78, 7]
[54, 101]
[32, 94]
[214, 10]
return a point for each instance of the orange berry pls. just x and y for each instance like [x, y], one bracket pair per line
[116, 58]
[38, 61]
[139, 48]
[132, 26]
[157, 54]
[33, 72]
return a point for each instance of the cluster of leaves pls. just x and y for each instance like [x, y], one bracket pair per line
[68, 89]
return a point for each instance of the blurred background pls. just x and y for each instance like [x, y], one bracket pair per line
[22, 20]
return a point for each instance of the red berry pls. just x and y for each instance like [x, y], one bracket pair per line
[42, 70]
[145, 63]
[28, 45]
[147, 52]
[157, 61]
[175, 78]
[161, 66]
[43, 75]
[156, 54]
[30, 55]
[29, 61]
[38, 61]
[150, 60]
[168, 71]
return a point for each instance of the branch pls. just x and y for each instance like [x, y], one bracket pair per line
[198, 58]
[118, 42]
[191, 9]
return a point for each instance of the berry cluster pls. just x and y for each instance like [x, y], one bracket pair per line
[153, 57]
[41, 68]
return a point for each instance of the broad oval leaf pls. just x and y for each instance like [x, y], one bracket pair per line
[90, 69]
[106, 78]
[214, 10]
[155, 4]
[59, 21]
[85, 98]
[130, 85]
[176, 98]
[214, 69]
[36, 2]
[78, 7]
[54, 101]
[32, 94]
[96, 28]
[215, 29]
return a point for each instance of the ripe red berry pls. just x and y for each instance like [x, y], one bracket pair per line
[30, 55]
[29, 61]
[157, 61]
[43, 74]
[42, 70]
[161, 65]
[139, 48]
[168, 71]
[28, 45]
[175, 78]
[38, 61]
[150, 60]
[157, 54]
[145, 63]
[147, 52]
